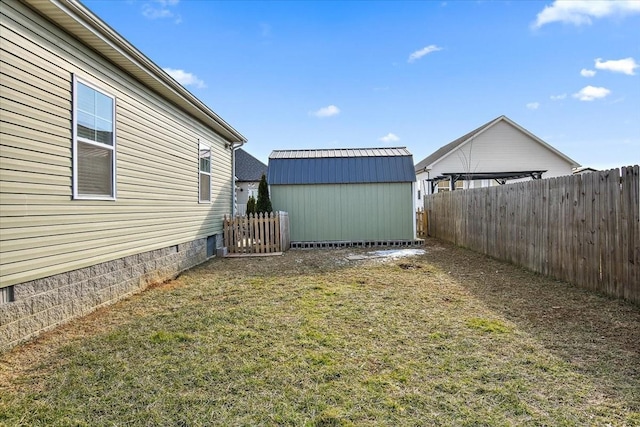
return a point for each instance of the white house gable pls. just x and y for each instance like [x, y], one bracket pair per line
[502, 147]
[496, 147]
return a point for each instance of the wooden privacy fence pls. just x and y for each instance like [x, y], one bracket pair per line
[584, 229]
[421, 223]
[262, 233]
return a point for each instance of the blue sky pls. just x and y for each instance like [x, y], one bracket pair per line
[323, 74]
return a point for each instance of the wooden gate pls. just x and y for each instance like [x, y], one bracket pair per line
[264, 233]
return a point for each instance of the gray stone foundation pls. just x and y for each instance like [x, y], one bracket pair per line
[42, 304]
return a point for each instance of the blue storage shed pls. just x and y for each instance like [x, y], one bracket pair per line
[359, 195]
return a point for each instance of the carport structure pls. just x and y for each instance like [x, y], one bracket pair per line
[500, 177]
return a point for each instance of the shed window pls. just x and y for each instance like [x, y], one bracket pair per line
[205, 173]
[94, 142]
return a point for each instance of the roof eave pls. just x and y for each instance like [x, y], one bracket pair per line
[76, 19]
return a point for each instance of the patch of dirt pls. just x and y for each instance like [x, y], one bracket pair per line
[407, 266]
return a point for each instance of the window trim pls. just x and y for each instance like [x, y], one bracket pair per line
[76, 139]
[446, 185]
[204, 146]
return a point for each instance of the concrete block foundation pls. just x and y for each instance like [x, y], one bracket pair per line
[45, 303]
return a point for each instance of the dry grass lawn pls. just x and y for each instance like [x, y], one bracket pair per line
[313, 339]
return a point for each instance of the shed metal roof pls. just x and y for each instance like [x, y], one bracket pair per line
[339, 152]
[341, 166]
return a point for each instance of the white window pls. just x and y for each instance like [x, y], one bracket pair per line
[94, 142]
[205, 173]
[446, 185]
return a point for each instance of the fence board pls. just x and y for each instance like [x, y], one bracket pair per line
[624, 224]
[605, 264]
[283, 219]
[614, 251]
[566, 243]
[421, 223]
[584, 229]
[580, 224]
[635, 278]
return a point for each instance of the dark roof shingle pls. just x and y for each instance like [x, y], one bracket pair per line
[248, 168]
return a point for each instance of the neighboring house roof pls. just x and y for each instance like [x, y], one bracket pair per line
[444, 151]
[79, 21]
[341, 166]
[248, 168]
[584, 169]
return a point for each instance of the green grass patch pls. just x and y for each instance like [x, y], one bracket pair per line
[168, 337]
[487, 325]
[309, 339]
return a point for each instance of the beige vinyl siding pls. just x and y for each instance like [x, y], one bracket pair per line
[42, 230]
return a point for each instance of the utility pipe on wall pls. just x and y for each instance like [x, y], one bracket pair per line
[234, 205]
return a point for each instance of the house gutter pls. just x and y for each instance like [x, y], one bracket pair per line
[234, 199]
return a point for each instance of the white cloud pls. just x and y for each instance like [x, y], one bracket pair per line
[390, 137]
[158, 9]
[533, 105]
[422, 52]
[328, 111]
[579, 12]
[558, 97]
[184, 78]
[625, 66]
[589, 93]
[587, 73]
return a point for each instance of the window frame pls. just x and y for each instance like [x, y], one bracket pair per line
[204, 146]
[76, 138]
[446, 185]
